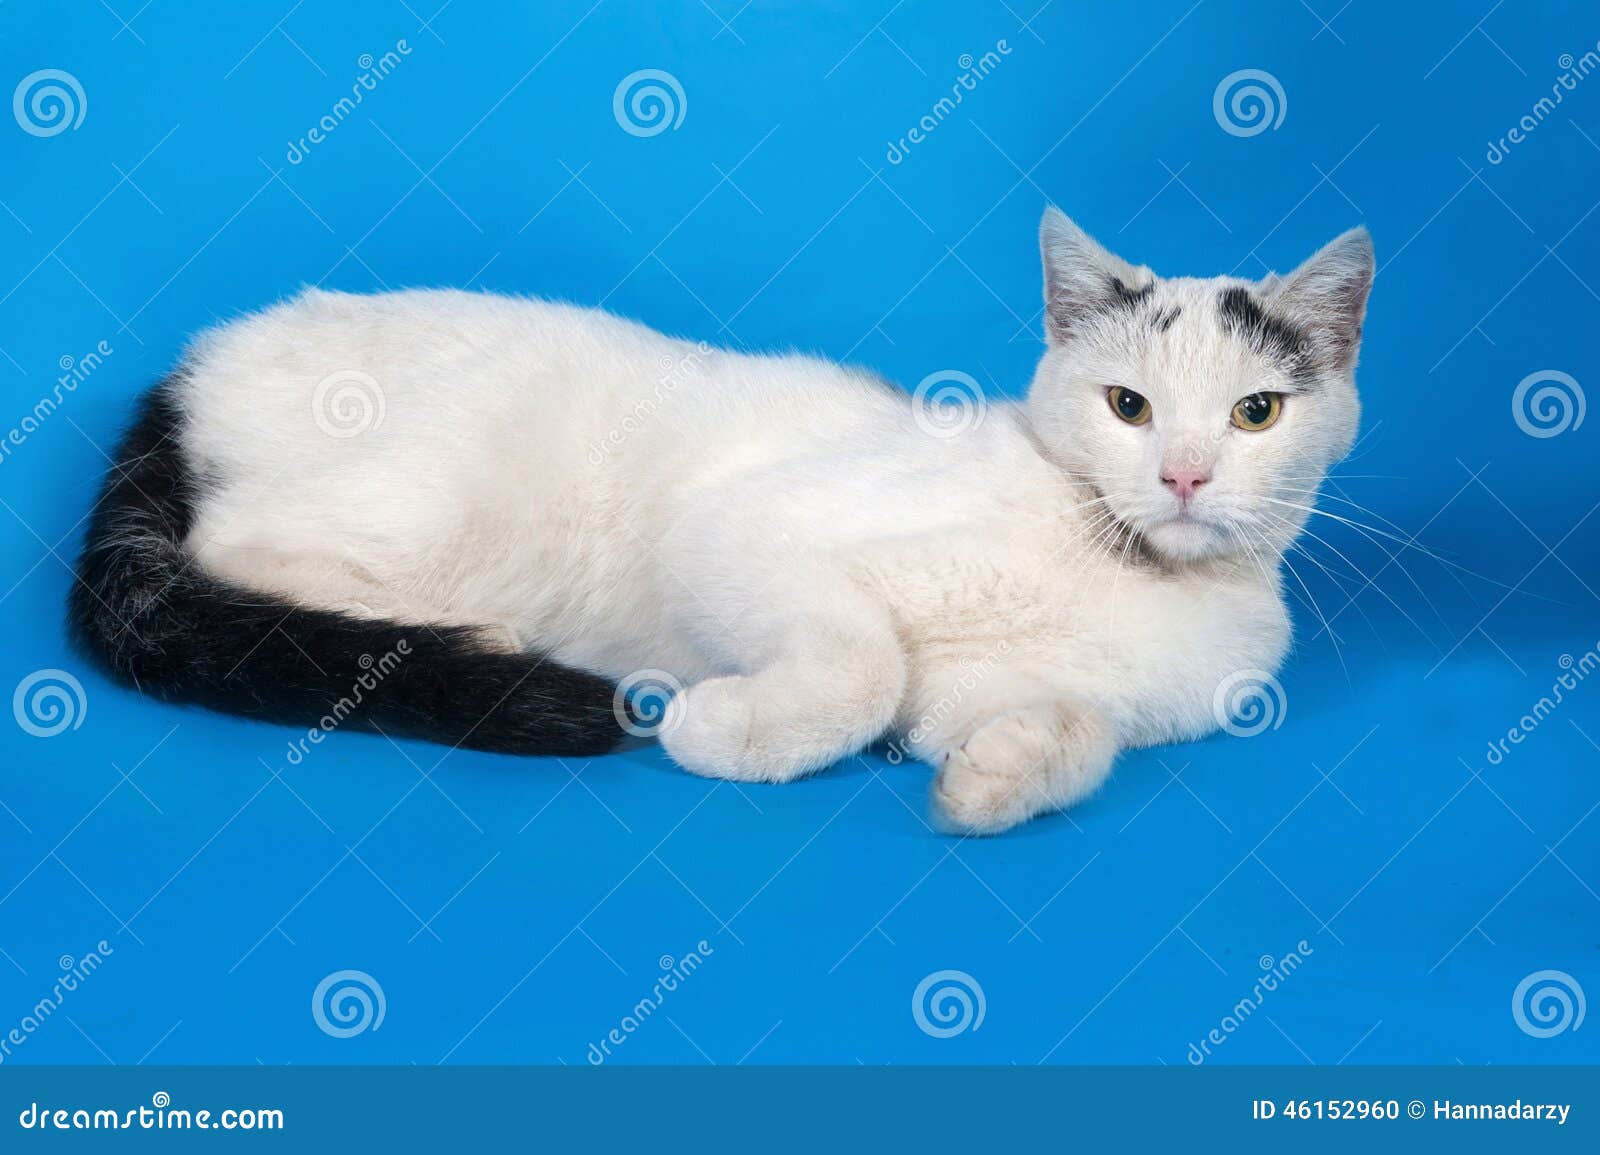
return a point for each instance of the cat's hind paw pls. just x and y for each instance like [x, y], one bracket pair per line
[726, 729]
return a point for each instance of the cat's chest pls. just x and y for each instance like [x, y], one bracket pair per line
[1152, 647]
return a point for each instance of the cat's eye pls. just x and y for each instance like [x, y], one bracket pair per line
[1258, 411]
[1128, 405]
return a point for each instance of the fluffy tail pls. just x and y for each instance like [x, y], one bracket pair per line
[153, 620]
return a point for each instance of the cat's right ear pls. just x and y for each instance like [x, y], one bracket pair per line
[1081, 277]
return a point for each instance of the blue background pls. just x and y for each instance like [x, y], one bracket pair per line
[515, 911]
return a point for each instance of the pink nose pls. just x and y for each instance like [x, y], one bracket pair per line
[1184, 482]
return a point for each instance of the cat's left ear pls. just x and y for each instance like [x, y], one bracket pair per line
[1327, 297]
[1082, 277]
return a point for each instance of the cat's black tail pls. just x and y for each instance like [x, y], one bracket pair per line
[154, 620]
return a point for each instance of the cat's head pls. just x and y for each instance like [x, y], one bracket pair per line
[1202, 411]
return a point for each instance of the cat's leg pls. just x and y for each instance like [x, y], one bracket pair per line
[1021, 763]
[833, 684]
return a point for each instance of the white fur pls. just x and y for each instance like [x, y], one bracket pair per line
[782, 534]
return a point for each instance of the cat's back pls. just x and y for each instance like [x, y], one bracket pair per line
[416, 344]
[339, 378]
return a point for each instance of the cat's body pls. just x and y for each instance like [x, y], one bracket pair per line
[818, 560]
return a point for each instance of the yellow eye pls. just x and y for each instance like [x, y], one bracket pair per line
[1258, 411]
[1128, 405]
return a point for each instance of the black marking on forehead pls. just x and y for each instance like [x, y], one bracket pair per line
[1164, 319]
[1270, 335]
[1131, 298]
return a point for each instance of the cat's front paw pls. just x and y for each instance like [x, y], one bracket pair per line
[996, 779]
[1030, 761]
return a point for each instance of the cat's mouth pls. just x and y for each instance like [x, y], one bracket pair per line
[1187, 535]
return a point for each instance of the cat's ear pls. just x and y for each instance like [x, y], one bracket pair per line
[1327, 297]
[1081, 277]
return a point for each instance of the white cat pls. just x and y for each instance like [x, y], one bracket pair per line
[542, 500]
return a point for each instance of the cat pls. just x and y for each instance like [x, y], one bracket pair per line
[536, 502]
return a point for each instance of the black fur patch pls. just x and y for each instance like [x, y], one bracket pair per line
[1131, 298]
[1271, 335]
[154, 621]
[1164, 320]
